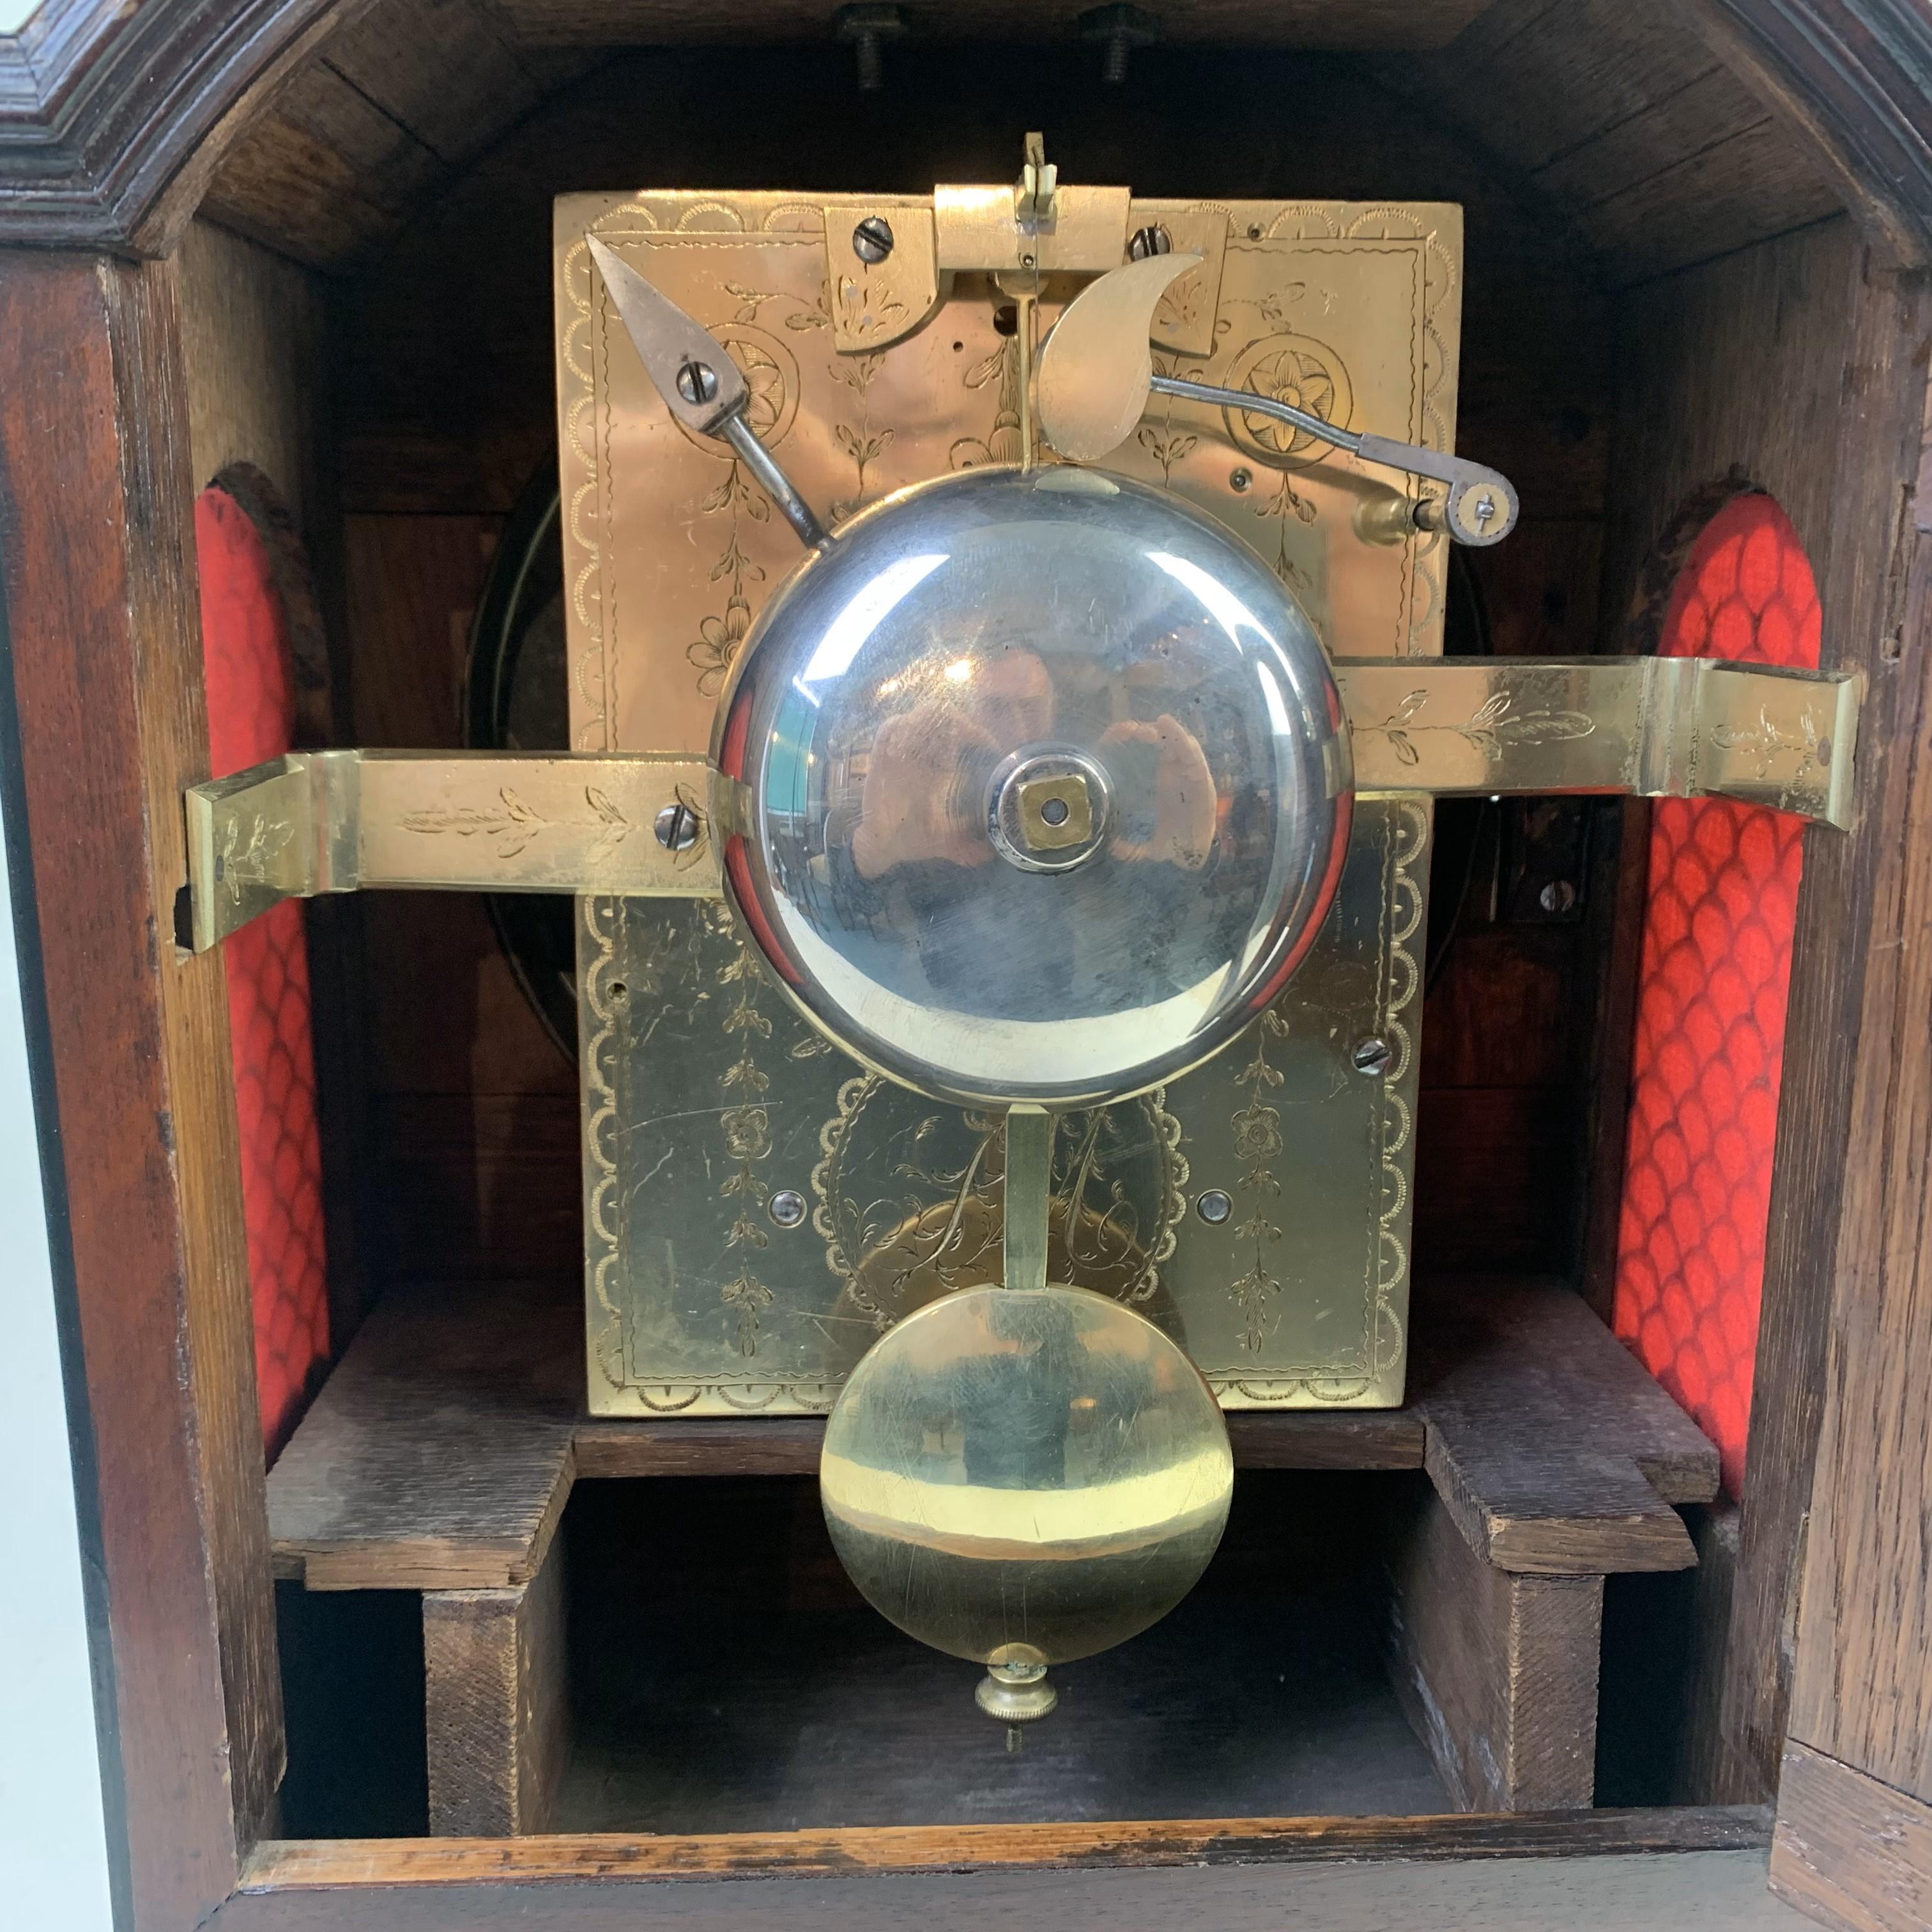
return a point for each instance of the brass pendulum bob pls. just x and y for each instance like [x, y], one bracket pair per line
[1025, 1473]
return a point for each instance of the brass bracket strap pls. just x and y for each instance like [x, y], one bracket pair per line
[639, 825]
[1653, 727]
[337, 821]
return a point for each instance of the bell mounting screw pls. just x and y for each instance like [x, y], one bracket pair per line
[866, 29]
[1121, 28]
[677, 827]
[872, 239]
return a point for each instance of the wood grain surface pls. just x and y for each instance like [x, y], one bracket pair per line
[1814, 319]
[1497, 1673]
[96, 545]
[1861, 1691]
[1554, 1452]
[1627, 125]
[497, 1705]
[1849, 1851]
[1717, 1892]
[409, 1863]
[440, 1453]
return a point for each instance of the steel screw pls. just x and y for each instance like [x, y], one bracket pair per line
[1238, 480]
[786, 1207]
[1213, 1207]
[1123, 28]
[677, 828]
[1372, 1055]
[1146, 241]
[1558, 896]
[872, 239]
[697, 382]
[868, 29]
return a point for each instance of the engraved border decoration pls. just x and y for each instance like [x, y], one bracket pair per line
[954, 410]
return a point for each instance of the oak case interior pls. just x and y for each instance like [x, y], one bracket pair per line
[1642, 271]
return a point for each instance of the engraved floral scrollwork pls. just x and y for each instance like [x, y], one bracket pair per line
[1257, 1142]
[910, 1201]
[513, 824]
[1002, 443]
[713, 651]
[604, 1246]
[1402, 984]
[861, 442]
[1306, 375]
[1491, 728]
[1764, 740]
[745, 1128]
[864, 313]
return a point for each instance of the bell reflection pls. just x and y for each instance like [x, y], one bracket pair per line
[919, 794]
[1033, 1474]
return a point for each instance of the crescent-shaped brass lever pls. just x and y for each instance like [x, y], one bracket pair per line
[1095, 374]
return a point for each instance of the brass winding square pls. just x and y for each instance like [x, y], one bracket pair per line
[1035, 795]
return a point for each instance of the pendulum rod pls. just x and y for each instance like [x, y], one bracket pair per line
[1029, 1182]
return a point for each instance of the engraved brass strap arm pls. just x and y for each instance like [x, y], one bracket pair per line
[640, 824]
[1654, 727]
[636, 825]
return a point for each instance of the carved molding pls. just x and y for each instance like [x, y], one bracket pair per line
[1853, 78]
[112, 117]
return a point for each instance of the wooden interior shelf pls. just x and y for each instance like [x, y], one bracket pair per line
[441, 1456]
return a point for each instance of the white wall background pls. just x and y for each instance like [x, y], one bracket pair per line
[53, 1858]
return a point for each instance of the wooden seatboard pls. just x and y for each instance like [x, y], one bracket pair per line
[440, 1454]
[1554, 1451]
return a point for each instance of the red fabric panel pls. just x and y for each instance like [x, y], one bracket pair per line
[251, 717]
[1715, 974]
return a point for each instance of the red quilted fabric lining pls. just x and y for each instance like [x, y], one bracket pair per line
[1715, 973]
[251, 717]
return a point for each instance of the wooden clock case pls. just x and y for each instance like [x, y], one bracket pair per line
[313, 237]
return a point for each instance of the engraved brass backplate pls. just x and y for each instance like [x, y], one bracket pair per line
[704, 1097]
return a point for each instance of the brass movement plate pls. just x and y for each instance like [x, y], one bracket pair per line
[705, 1101]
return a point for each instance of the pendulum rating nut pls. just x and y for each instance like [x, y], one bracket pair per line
[1014, 1694]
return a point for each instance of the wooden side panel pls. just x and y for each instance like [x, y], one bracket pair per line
[497, 1705]
[96, 545]
[252, 339]
[1862, 1692]
[1812, 320]
[474, 1119]
[1497, 1673]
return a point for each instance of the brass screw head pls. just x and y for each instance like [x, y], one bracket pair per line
[1373, 1056]
[677, 827]
[872, 239]
[697, 382]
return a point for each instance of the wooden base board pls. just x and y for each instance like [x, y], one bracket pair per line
[1613, 1871]
[1850, 1851]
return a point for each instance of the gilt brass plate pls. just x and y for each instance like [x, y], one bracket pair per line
[705, 1097]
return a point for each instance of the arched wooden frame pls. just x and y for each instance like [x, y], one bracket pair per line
[111, 120]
